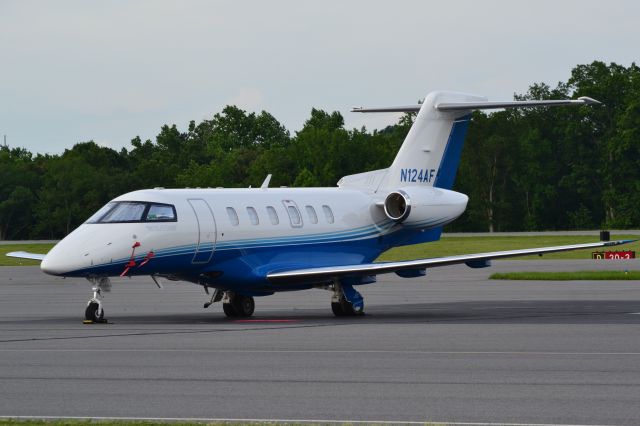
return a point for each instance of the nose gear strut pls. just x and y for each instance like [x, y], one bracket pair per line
[94, 313]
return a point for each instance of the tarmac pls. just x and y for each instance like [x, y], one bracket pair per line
[450, 347]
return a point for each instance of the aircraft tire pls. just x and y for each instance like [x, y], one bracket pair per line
[344, 308]
[91, 313]
[349, 310]
[336, 307]
[229, 310]
[244, 305]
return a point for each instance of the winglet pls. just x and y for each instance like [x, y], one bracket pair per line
[618, 242]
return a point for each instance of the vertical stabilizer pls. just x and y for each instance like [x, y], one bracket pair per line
[430, 154]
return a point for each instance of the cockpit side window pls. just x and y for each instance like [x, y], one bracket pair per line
[134, 211]
[160, 213]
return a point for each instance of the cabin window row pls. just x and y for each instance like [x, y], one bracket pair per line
[295, 216]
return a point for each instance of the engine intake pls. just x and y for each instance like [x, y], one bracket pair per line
[397, 206]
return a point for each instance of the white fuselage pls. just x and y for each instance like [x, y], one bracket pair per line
[234, 234]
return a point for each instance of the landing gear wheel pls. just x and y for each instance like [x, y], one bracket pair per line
[244, 305]
[344, 308]
[336, 307]
[347, 307]
[229, 310]
[93, 312]
[239, 306]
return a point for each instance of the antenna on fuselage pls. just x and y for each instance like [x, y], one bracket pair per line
[265, 184]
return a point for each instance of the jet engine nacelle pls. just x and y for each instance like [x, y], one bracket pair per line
[425, 207]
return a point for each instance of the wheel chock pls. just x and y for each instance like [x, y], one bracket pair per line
[103, 321]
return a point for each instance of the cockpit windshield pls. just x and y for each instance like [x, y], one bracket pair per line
[134, 211]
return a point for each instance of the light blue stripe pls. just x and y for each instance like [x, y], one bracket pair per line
[322, 237]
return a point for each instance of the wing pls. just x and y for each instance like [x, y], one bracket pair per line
[330, 272]
[26, 255]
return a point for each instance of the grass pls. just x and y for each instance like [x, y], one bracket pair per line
[568, 276]
[447, 246]
[12, 261]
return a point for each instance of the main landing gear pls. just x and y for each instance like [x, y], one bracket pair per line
[346, 301]
[94, 311]
[237, 305]
[234, 305]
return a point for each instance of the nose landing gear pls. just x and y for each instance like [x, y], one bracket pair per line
[94, 311]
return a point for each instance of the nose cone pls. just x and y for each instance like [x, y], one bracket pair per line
[54, 263]
[66, 257]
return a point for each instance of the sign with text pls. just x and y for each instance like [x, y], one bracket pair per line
[614, 255]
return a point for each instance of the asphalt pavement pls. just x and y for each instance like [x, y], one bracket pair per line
[449, 347]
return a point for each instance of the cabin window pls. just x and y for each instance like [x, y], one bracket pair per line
[273, 215]
[311, 212]
[294, 214]
[233, 216]
[134, 211]
[328, 214]
[253, 216]
[160, 213]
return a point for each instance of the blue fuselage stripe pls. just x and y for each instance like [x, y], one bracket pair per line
[452, 152]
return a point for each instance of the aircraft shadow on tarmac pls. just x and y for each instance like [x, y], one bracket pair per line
[481, 312]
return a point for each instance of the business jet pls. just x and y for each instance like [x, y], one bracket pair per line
[244, 243]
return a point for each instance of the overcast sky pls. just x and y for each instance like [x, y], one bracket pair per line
[73, 71]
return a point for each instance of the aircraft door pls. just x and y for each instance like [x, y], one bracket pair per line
[207, 234]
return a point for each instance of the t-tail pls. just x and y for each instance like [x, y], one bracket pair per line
[430, 154]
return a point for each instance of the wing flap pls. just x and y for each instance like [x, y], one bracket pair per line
[311, 274]
[26, 255]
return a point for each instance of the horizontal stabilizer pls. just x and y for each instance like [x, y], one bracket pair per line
[461, 106]
[331, 272]
[467, 106]
[26, 255]
[406, 108]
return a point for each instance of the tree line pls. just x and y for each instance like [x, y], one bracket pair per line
[524, 170]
